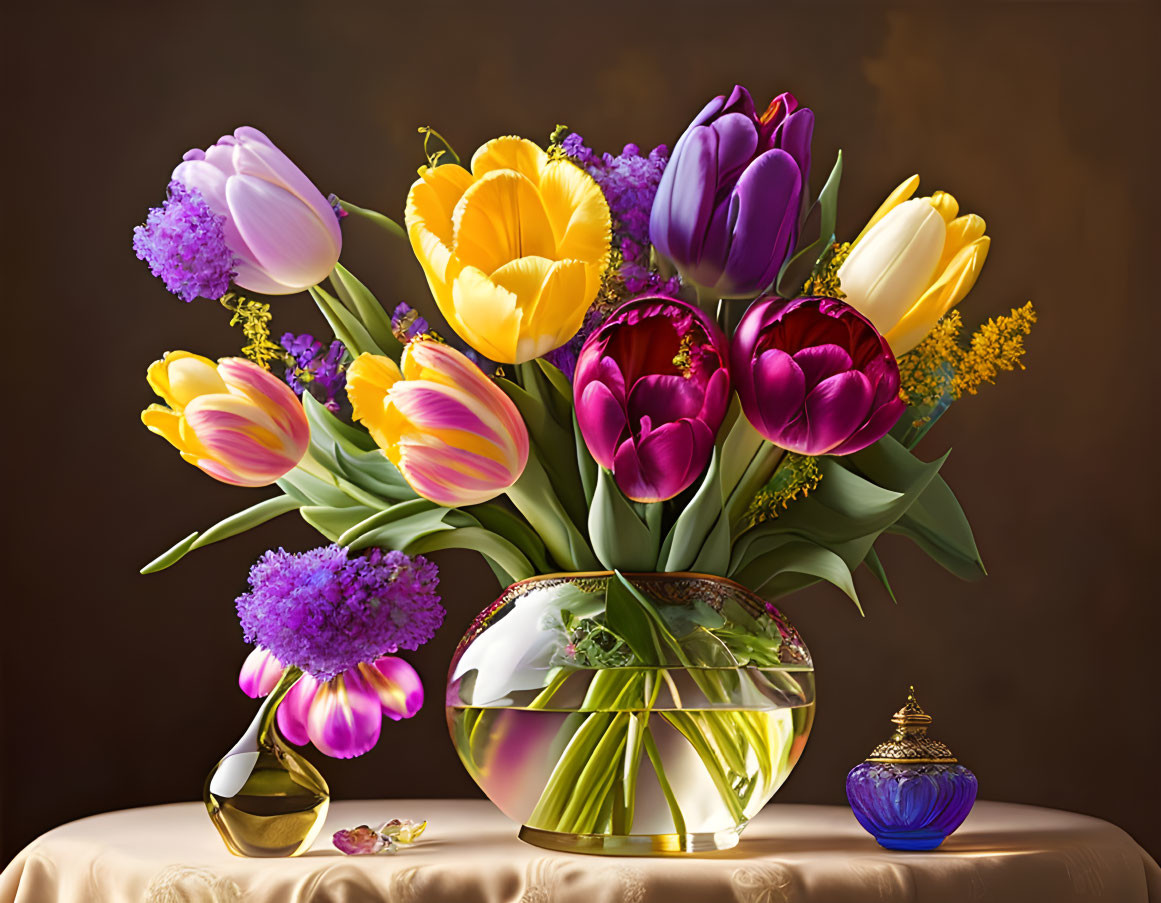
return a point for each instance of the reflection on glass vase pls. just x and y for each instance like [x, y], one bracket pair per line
[263, 797]
[571, 734]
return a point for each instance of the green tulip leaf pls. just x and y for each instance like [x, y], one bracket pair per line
[875, 566]
[555, 447]
[536, 498]
[585, 463]
[323, 423]
[344, 324]
[492, 546]
[373, 519]
[696, 521]
[555, 390]
[738, 442]
[247, 520]
[503, 522]
[171, 556]
[334, 522]
[374, 473]
[938, 525]
[237, 523]
[629, 619]
[619, 537]
[402, 532]
[784, 569]
[310, 490]
[357, 298]
[795, 270]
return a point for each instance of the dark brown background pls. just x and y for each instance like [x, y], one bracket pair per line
[119, 690]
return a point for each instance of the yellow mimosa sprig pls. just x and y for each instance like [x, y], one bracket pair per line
[942, 365]
[254, 318]
[825, 283]
[796, 477]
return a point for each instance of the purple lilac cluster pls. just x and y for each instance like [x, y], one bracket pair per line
[327, 612]
[184, 243]
[312, 367]
[629, 182]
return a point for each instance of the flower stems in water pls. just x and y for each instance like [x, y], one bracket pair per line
[600, 747]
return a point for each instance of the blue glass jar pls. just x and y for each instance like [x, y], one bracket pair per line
[911, 792]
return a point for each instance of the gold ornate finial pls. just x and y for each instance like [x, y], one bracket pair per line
[909, 742]
[912, 714]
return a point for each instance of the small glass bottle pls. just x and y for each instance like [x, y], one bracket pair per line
[911, 792]
[263, 797]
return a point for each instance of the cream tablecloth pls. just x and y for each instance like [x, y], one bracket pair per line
[470, 854]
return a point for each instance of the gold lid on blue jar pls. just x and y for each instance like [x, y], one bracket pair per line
[910, 743]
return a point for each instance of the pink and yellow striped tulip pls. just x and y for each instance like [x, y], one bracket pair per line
[234, 420]
[453, 434]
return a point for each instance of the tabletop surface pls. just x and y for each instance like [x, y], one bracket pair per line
[470, 854]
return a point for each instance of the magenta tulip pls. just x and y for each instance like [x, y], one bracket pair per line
[814, 376]
[651, 388]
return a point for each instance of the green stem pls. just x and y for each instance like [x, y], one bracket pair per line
[534, 497]
[659, 769]
[383, 222]
[545, 696]
[259, 730]
[312, 467]
[690, 730]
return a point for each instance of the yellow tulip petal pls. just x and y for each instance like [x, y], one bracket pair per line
[191, 448]
[945, 293]
[181, 376]
[578, 212]
[524, 278]
[369, 377]
[499, 219]
[903, 192]
[945, 205]
[440, 265]
[485, 315]
[961, 231]
[433, 198]
[558, 311]
[428, 217]
[164, 422]
[513, 153]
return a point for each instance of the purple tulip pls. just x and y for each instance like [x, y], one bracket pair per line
[651, 388]
[814, 376]
[283, 234]
[727, 209]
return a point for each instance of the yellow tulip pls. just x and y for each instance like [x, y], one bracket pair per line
[514, 250]
[912, 263]
[234, 420]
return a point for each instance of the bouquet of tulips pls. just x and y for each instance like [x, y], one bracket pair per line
[643, 362]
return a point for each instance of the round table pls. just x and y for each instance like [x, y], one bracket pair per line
[470, 854]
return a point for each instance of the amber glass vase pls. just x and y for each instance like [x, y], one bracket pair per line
[263, 797]
[573, 737]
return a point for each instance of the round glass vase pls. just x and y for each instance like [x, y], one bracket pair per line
[264, 798]
[593, 750]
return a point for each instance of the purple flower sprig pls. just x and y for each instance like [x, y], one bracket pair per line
[184, 243]
[326, 612]
[315, 368]
[629, 182]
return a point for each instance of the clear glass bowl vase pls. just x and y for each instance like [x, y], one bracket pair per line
[593, 750]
